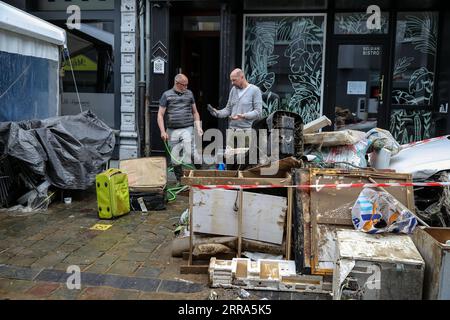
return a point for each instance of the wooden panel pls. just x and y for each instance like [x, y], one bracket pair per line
[284, 165]
[215, 177]
[316, 125]
[334, 138]
[306, 202]
[289, 223]
[303, 221]
[325, 246]
[192, 269]
[216, 212]
[431, 245]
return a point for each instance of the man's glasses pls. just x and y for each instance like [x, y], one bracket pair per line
[182, 84]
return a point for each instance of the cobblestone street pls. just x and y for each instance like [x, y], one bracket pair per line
[130, 260]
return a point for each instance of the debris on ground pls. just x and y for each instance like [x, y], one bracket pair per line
[274, 275]
[434, 246]
[182, 225]
[334, 138]
[243, 294]
[225, 224]
[433, 203]
[213, 295]
[60, 153]
[211, 249]
[377, 267]
[259, 255]
[313, 226]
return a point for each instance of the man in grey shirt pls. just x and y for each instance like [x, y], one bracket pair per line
[243, 107]
[178, 104]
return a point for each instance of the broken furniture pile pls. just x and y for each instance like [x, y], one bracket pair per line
[428, 160]
[341, 181]
[320, 212]
[226, 213]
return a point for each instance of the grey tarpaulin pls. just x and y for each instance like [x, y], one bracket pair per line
[68, 151]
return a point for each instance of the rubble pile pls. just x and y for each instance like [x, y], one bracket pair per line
[61, 153]
[324, 221]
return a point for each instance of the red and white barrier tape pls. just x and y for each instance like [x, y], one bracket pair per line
[408, 145]
[329, 185]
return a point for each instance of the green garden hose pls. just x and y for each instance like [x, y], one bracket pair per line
[176, 160]
[172, 192]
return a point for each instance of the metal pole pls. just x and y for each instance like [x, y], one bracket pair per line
[147, 79]
[142, 73]
[142, 41]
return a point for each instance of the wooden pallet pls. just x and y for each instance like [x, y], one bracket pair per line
[216, 177]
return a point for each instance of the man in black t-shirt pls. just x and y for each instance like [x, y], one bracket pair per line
[178, 104]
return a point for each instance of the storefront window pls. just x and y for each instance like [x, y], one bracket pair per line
[91, 63]
[359, 82]
[413, 76]
[357, 23]
[283, 56]
[415, 58]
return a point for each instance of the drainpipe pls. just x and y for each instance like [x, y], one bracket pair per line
[142, 73]
[147, 79]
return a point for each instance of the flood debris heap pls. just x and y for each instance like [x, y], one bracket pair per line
[347, 215]
[42, 158]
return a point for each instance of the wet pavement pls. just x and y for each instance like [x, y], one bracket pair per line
[130, 260]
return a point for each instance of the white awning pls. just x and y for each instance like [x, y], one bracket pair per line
[18, 21]
[99, 34]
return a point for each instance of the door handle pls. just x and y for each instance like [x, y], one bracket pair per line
[381, 87]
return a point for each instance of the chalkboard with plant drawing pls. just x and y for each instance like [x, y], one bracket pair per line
[283, 56]
[356, 23]
[413, 75]
[411, 125]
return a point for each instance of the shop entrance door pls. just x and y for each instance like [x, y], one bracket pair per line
[358, 89]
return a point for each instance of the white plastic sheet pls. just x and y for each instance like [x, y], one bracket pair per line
[373, 207]
[12, 42]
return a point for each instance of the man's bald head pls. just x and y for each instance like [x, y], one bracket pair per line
[181, 82]
[237, 78]
[181, 78]
[237, 73]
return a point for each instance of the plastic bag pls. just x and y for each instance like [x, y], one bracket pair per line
[377, 212]
[380, 138]
[182, 225]
[346, 157]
